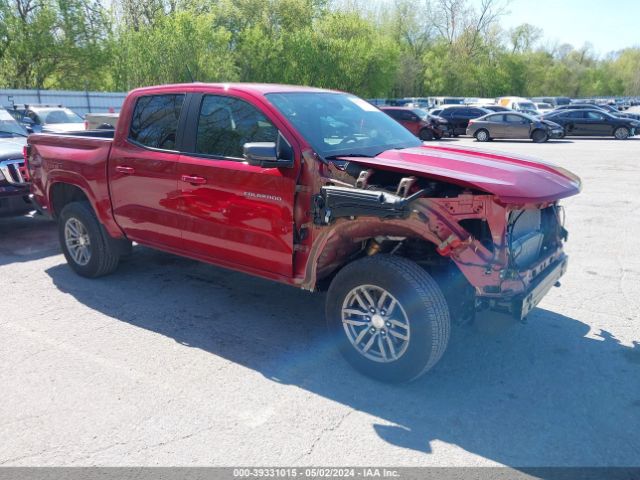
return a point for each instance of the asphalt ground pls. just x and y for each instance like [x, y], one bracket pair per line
[173, 362]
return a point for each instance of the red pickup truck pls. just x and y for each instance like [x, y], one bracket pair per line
[320, 190]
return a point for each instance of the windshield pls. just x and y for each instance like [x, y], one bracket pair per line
[9, 126]
[423, 114]
[338, 124]
[526, 106]
[58, 115]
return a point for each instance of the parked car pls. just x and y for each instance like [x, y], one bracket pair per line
[100, 121]
[543, 108]
[513, 125]
[603, 107]
[518, 104]
[418, 122]
[459, 116]
[593, 122]
[554, 101]
[48, 118]
[14, 188]
[255, 178]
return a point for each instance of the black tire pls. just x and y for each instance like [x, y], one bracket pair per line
[426, 135]
[621, 133]
[421, 303]
[103, 250]
[539, 136]
[482, 135]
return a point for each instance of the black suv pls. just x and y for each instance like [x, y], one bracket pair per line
[14, 189]
[459, 116]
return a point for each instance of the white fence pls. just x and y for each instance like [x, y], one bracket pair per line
[80, 102]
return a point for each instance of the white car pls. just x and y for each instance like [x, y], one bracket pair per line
[543, 108]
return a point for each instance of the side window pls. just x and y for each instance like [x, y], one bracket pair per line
[595, 116]
[155, 121]
[513, 118]
[225, 124]
[395, 114]
[407, 116]
[575, 115]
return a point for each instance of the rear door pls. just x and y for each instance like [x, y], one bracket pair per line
[143, 172]
[575, 123]
[495, 125]
[234, 213]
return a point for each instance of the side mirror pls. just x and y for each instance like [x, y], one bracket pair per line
[278, 154]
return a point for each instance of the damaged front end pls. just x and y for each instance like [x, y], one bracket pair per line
[507, 256]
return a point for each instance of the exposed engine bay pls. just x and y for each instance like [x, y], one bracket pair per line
[475, 235]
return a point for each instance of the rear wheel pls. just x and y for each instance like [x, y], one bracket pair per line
[539, 136]
[426, 135]
[89, 250]
[621, 133]
[388, 317]
[482, 135]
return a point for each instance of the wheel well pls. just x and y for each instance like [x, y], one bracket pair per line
[458, 292]
[64, 193]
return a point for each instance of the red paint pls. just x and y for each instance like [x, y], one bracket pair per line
[514, 180]
[245, 217]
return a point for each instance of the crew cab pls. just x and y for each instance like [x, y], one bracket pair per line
[14, 188]
[319, 190]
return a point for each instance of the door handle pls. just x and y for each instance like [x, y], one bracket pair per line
[124, 169]
[193, 179]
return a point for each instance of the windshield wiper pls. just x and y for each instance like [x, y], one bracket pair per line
[13, 133]
[338, 155]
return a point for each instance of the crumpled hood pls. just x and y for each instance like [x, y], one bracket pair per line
[513, 179]
[551, 124]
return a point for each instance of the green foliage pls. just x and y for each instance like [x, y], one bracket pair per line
[403, 48]
[171, 50]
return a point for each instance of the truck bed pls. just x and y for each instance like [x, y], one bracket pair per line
[73, 158]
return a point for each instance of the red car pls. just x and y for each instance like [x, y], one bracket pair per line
[418, 122]
[319, 190]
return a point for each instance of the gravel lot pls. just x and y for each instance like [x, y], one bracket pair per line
[172, 362]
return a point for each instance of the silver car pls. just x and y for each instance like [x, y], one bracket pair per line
[513, 125]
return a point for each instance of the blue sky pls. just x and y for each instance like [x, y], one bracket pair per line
[607, 25]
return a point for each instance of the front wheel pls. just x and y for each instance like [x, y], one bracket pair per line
[539, 136]
[89, 251]
[621, 133]
[426, 135]
[388, 317]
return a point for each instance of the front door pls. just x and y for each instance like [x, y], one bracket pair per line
[596, 124]
[143, 173]
[234, 213]
[516, 126]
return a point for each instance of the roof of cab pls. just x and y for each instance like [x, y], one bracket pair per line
[252, 88]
